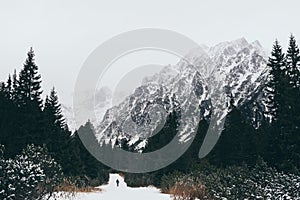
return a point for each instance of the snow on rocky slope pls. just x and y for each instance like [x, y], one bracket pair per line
[237, 67]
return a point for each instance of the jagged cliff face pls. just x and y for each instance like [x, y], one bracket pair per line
[194, 83]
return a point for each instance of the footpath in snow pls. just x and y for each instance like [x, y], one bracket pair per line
[112, 192]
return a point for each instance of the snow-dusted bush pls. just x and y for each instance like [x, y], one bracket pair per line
[23, 177]
[258, 182]
[2, 173]
[30, 175]
[237, 182]
[270, 183]
[52, 170]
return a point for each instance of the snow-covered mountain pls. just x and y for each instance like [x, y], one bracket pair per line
[102, 101]
[192, 88]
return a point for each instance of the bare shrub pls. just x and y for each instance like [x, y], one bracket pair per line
[184, 191]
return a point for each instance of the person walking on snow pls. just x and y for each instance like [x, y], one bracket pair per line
[117, 181]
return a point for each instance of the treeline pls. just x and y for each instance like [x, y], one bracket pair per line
[277, 139]
[26, 118]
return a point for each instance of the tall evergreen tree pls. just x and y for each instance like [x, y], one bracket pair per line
[275, 92]
[8, 110]
[29, 83]
[275, 83]
[9, 87]
[292, 93]
[29, 121]
[290, 122]
[237, 141]
[53, 110]
[283, 93]
[56, 134]
[293, 62]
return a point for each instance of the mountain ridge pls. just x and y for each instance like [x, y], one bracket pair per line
[237, 66]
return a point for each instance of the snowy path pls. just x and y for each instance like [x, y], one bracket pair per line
[112, 192]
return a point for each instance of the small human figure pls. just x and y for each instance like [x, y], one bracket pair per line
[117, 181]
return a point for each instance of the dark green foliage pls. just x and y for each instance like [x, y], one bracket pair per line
[55, 132]
[237, 142]
[52, 171]
[182, 164]
[52, 110]
[86, 164]
[164, 136]
[293, 63]
[3, 181]
[28, 90]
[25, 119]
[21, 105]
[282, 147]
[31, 175]
[276, 82]
[141, 180]
[8, 122]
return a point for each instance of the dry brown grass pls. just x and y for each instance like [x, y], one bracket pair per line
[68, 190]
[69, 187]
[181, 191]
[122, 175]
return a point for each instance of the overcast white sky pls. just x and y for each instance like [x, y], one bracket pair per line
[64, 32]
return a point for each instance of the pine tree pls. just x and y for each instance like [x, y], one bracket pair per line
[290, 121]
[29, 83]
[275, 92]
[275, 83]
[27, 97]
[237, 141]
[293, 62]
[7, 116]
[292, 93]
[53, 111]
[283, 93]
[8, 87]
[56, 133]
[74, 165]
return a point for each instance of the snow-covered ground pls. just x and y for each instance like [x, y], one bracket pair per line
[112, 192]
